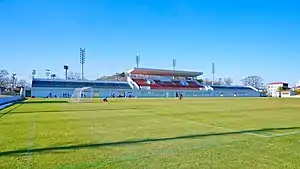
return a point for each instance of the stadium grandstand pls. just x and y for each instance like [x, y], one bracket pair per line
[158, 79]
[140, 82]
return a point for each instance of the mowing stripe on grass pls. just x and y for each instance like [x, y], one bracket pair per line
[130, 157]
[224, 128]
[31, 141]
[217, 127]
[133, 157]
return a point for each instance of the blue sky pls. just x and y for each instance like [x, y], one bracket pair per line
[241, 37]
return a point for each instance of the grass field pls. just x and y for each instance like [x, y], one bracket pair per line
[202, 133]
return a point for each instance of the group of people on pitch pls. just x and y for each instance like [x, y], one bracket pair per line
[105, 100]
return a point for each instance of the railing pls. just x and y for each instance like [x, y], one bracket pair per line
[253, 88]
[132, 83]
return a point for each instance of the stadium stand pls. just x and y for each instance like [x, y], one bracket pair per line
[183, 82]
[164, 79]
[141, 82]
[78, 84]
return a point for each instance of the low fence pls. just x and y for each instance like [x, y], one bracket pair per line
[94, 92]
[8, 101]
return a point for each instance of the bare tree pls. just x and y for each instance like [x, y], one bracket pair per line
[70, 75]
[228, 80]
[201, 81]
[3, 73]
[207, 81]
[254, 81]
[74, 76]
[4, 79]
[115, 77]
[77, 76]
[22, 83]
[219, 81]
[122, 74]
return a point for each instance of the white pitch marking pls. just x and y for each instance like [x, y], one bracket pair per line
[31, 142]
[285, 134]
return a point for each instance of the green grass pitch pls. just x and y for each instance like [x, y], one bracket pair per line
[151, 133]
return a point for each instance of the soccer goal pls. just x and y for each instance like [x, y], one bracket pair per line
[80, 94]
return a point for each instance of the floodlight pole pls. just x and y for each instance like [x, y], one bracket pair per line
[213, 72]
[33, 73]
[13, 79]
[47, 73]
[174, 64]
[82, 61]
[137, 60]
[66, 67]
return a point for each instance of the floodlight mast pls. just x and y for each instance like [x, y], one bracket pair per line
[13, 82]
[137, 60]
[174, 64]
[82, 61]
[47, 73]
[66, 67]
[33, 73]
[213, 72]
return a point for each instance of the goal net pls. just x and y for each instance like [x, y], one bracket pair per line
[80, 94]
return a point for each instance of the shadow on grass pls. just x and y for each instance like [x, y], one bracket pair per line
[45, 101]
[9, 111]
[78, 110]
[235, 111]
[128, 142]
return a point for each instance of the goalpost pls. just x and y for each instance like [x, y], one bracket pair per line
[80, 93]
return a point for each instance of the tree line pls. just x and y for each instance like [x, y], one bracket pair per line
[115, 77]
[254, 81]
[8, 80]
[218, 81]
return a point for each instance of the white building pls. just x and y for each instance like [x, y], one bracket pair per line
[272, 88]
[298, 85]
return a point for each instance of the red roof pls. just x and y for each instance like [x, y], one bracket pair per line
[162, 72]
[275, 83]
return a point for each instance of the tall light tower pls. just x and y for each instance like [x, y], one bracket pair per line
[33, 73]
[47, 73]
[66, 67]
[13, 77]
[174, 64]
[82, 61]
[213, 72]
[137, 60]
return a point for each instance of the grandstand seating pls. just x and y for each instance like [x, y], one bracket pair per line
[219, 87]
[160, 82]
[79, 84]
[168, 85]
[186, 85]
